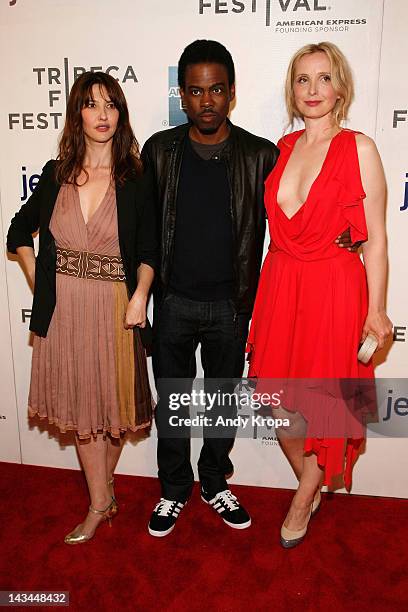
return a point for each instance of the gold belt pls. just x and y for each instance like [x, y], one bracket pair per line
[82, 264]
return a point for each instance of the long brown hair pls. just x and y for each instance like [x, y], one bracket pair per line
[126, 160]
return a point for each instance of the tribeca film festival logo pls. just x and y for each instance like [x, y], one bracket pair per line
[399, 116]
[297, 10]
[57, 81]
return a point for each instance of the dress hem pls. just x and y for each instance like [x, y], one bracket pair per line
[115, 432]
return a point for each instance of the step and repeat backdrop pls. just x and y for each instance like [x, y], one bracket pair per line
[46, 44]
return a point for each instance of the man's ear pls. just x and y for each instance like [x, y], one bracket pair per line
[232, 92]
[182, 98]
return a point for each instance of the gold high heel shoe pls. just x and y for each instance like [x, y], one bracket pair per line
[289, 538]
[115, 503]
[77, 537]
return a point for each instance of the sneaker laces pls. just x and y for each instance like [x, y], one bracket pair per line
[165, 507]
[227, 499]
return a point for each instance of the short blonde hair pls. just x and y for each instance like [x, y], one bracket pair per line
[340, 74]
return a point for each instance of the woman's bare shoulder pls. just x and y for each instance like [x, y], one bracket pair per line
[365, 144]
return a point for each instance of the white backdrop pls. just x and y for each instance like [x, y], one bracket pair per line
[44, 44]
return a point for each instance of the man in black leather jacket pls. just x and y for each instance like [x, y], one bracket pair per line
[248, 159]
[209, 176]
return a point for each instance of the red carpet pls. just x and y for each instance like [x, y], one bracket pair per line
[354, 556]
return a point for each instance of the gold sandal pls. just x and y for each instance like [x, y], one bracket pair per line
[110, 484]
[77, 537]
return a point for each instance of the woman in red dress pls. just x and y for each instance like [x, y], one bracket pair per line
[316, 302]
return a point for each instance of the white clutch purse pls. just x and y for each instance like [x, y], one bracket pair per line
[367, 349]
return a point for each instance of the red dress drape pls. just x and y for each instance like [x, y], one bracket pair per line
[312, 297]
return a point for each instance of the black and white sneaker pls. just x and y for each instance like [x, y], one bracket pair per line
[164, 517]
[229, 508]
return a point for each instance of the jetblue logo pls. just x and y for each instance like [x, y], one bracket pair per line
[388, 398]
[28, 183]
[404, 205]
[176, 114]
[398, 406]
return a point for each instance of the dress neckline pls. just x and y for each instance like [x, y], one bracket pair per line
[323, 167]
[100, 205]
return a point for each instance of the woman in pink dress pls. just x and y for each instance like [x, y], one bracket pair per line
[316, 302]
[91, 280]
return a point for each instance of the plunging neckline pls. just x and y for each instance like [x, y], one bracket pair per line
[86, 223]
[301, 132]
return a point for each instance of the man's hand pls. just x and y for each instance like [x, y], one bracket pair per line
[344, 241]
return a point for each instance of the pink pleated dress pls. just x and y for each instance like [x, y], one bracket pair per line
[89, 373]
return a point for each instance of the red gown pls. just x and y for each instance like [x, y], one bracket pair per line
[312, 297]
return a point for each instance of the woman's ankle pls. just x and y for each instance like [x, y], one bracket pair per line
[303, 501]
[101, 502]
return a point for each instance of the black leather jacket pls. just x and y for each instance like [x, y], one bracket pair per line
[249, 160]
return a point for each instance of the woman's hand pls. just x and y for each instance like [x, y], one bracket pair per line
[379, 324]
[136, 312]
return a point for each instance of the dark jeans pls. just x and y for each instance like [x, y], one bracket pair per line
[179, 325]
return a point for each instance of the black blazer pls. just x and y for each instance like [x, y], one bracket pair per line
[137, 239]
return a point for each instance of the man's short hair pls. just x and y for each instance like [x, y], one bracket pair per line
[205, 52]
